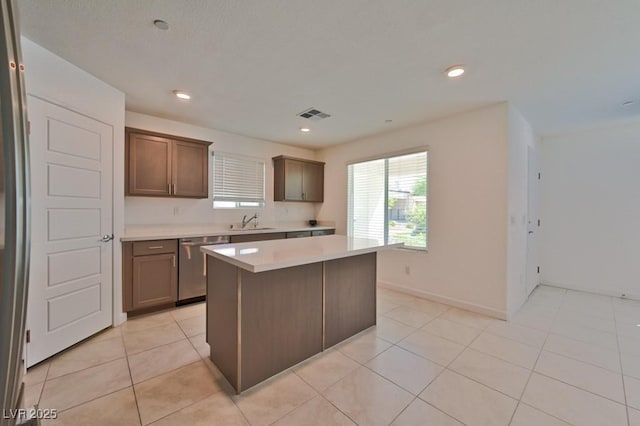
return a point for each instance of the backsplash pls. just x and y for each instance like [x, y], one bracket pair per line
[157, 211]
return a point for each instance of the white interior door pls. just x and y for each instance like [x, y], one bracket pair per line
[71, 283]
[532, 220]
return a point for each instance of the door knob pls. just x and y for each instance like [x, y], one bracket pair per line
[106, 238]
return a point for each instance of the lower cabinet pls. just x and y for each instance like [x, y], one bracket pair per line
[298, 234]
[257, 237]
[150, 274]
[150, 268]
[323, 232]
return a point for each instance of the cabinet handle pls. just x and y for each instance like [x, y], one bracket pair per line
[174, 189]
[169, 188]
[174, 261]
[155, 247]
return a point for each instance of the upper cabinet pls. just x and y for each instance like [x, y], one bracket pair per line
[295, 179]
[166, 166]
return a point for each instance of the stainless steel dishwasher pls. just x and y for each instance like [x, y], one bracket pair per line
[192, 271]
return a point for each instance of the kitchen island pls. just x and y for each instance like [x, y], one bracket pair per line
[273, 304]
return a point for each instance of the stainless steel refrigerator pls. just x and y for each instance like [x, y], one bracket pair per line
[14, 214]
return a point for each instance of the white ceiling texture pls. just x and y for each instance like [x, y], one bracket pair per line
[252, 65]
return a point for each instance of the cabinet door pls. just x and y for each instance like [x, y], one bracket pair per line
[190, 169]
[149, 165]
[155, 280]
[293, 171]
[313, 182]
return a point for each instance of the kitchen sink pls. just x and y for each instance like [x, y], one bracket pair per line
[259, 228]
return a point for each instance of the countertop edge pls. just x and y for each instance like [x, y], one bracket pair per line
[191, 234]
[293, 262]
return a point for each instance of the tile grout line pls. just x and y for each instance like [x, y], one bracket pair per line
[202, 359]
[166, 372]
[446, 367]
[133, 388]
[583, 361]
[135, 395]
[321, 396]
[624, 387]
[417, 396]
[392, 344]
[98, 397]
[75, 346]
[533, 367]
[579, 388]
[43, 383]
[533, 371]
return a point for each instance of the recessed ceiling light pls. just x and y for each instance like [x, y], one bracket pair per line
[182, 95]
[455, 71]
[305, 129]
[160, 24]
[627, 103]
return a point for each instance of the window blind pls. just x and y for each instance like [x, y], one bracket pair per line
[367, 199]
[237, 178]
[388, 199]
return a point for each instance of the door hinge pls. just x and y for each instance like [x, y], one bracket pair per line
[28, 128]
[538, 269]
[28, 336]
[538, 176]
[538, 223]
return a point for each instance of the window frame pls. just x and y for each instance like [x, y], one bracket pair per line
[386, 156]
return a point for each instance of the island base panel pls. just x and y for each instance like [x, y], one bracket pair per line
[222, 317]
[259, 324]
[281, 320]
[350, 297]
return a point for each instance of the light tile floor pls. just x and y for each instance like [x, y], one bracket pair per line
[566, 358]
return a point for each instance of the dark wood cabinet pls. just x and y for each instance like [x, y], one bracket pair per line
[166, 166]
[295, 179]
[323, 232]
[244, 238]
[149, 165]
[313, 181]
[298, 234]
[150, 274]
[190, 169]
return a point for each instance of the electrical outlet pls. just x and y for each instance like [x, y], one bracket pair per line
[176, 211]
[407, 270]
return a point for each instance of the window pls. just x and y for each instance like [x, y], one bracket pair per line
[388, 200]
[238, 181]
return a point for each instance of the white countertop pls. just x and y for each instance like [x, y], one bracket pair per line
[260, 256]
[161, 232]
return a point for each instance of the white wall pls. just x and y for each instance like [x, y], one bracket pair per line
[521, 137]
[53, 79]
[467, 259]
[590, 210]
[154, 210]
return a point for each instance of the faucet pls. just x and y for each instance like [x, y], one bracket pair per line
[246, 221]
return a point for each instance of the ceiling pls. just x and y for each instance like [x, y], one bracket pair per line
[252, 65]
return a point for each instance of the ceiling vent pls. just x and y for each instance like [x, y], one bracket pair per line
[313, 114]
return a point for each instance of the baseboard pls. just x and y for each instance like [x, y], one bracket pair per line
[120, 319]
[598, 291]
[480, 309]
